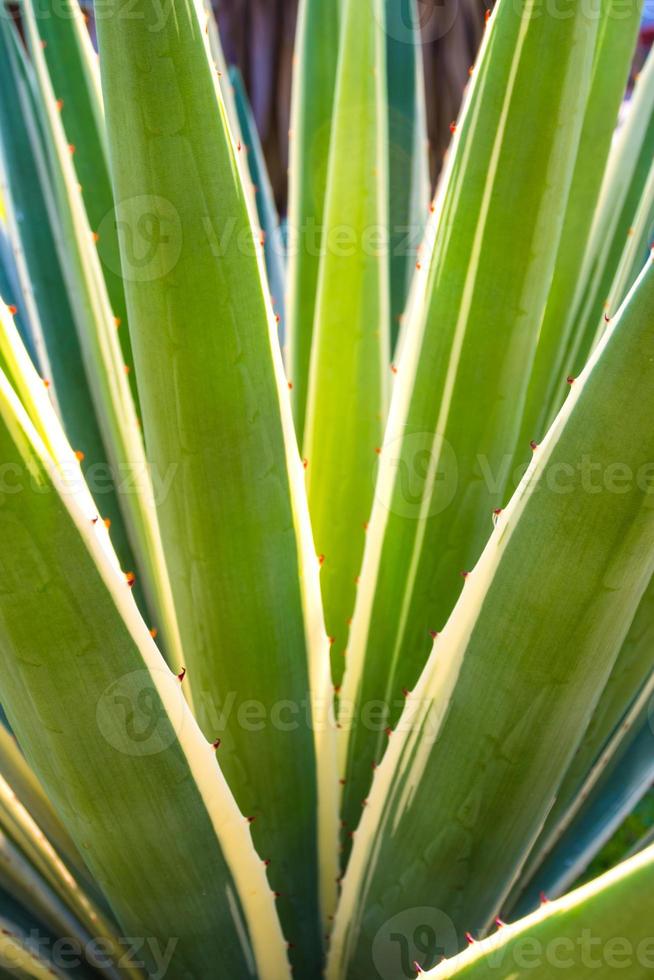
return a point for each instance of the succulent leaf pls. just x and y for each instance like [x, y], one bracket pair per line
[273, 241]
[216, 414]
[612, 793]
[471, 333]
[349, 374]
[316, 54]
[73, 69]
[101, 351]
[627, 172]
[18, 955]
[408, 152]
[522, 653]
[64, 605]
[616, 42]
[593, 932]
[622, 708]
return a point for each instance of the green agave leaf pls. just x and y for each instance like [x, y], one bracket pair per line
[9, 279]
[103, 361]
[626, 696]
[73, 69]
[216, 410]
[617, 35]
[476, 759]
[646, 838]
[634, 255]
[18, 129]
[350, 358]
[28, 928]
[621, 786]
[15, 771]
[18, 368]
[471, 332]
[79, 660]
[314, 81]
[28, 886]
[44, 293]
[408, 158]
[600, 930]
[18, 958]
[273, 243]
[626, 177]
[223, 72]
[17, 822]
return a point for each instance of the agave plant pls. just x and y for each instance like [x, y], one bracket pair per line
[326, 628]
